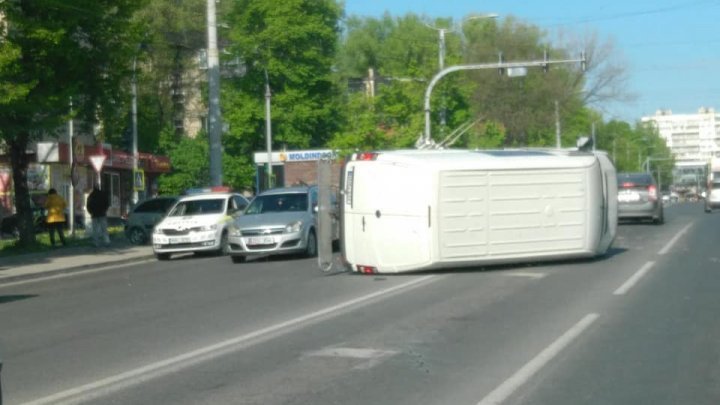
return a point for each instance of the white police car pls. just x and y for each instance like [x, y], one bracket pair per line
[198, 223]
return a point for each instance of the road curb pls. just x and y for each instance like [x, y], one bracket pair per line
[74, 269]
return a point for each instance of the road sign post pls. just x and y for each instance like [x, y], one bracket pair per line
[138, 180]
[97, 164]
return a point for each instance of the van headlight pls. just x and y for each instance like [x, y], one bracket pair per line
[157, 231]
[293, 227]
[206, 228]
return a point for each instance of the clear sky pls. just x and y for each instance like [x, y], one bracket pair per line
[671, 47]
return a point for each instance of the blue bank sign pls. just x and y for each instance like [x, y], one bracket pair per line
[295, 156]
[301, 156]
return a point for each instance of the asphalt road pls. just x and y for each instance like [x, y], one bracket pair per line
[637, 327]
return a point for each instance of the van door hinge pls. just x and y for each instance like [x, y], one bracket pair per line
[363, 223]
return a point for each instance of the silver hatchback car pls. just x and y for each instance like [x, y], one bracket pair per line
[638, 198]
[278, 221]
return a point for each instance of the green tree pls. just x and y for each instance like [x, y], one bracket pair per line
[292, 44]
[51, 51]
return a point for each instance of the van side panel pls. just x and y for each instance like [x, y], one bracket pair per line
[537, 211]
[512, 213]
[388, 218]
[462, 213]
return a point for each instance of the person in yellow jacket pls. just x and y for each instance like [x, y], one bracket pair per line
[55, 206]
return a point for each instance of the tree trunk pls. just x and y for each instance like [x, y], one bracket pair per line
[19, 161]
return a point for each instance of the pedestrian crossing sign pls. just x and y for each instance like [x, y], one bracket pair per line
[138, 179]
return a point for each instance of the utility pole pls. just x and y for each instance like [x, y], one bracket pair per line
[371, 83]
[441, 48]
[214, 116]
[268, 131]
[592, 131]
[558, 143]
[133, 89]
[71, 150]
[614, 151]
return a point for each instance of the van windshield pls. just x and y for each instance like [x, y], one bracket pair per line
[198, 207]
[278, 203]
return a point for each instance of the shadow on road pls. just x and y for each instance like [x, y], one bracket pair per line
[4, 299]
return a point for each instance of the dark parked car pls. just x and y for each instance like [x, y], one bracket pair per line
[9, 224]
[145, 216]
[639, 197]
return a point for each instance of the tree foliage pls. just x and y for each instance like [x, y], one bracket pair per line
[292, 45]
[51, 51]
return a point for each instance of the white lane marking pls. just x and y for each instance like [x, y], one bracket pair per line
[163, 367]
[351, 352]
[504, 390]
[675, 238]
[525, 274]
[627, 285]
[369, 358]
[75, 273]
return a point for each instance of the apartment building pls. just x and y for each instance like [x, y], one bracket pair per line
[692, 138]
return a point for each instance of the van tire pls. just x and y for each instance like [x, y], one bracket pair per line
[311, 248]
[162, 256]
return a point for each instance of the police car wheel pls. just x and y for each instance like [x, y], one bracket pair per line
[224, 246]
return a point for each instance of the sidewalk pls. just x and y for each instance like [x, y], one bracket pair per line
[70, 259]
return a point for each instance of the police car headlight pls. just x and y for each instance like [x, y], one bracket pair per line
[157, 231]
[206, 228]
[293, 227]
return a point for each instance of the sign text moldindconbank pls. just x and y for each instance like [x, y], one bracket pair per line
[307, 155]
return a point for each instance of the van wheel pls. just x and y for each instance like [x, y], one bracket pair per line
[311, 248]
[238, 259]
[162, 256]
[136, 236]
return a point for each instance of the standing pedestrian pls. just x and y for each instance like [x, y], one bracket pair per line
[97, 205]
[55, 206]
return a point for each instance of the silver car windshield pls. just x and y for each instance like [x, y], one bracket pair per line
[278, 203]
[198, 207]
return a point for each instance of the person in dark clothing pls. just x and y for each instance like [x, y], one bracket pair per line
[97, 205]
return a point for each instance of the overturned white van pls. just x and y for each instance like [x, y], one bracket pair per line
[431, 209]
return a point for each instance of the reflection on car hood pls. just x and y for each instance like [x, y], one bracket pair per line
[270, 219]
[191, 221]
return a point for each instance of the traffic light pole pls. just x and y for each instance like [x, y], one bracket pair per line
[503, 66]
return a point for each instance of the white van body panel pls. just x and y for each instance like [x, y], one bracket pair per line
[419, 210]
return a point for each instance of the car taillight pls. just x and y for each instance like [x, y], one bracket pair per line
[628, 185]
[652, 193]
[366, 269]
[366, 156]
